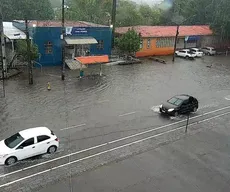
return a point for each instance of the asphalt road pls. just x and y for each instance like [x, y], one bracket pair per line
[105, 119]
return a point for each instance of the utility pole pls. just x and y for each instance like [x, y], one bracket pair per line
[177, 33]
[63, 40]
[3, 48]
[113, 22]
[30, 67]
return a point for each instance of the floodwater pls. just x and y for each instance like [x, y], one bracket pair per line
[85, 112]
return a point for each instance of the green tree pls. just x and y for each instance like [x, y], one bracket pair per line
[22, 50]
[129, 43]
[26, 9]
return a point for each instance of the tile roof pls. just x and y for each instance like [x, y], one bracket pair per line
[67, 24]
[167, 31]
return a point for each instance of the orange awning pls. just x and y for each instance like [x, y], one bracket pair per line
[93, 59]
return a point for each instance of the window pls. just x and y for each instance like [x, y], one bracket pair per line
[27, 143]
[14, 140]
[165, 42]
[141, 44]
[175, 101]
[42, 138]
[49, 47]
[100, 44]
[149, 43]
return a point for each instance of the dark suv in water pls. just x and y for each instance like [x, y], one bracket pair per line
[179, 104]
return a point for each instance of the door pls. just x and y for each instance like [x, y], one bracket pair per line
[184, 106]
[43, 143]
[26, 149]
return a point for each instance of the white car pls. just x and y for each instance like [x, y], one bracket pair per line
[209, 50]
[186, 53]
[197, 52]
[27, 143]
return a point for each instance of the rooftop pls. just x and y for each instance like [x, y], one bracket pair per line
[12, 32]
[168, 31]
[67, 24]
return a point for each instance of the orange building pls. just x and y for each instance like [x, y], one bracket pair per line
[159, 40]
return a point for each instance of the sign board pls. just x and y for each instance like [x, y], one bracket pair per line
[76, 31]
[186, 38]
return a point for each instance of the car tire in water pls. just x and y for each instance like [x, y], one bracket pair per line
[10, 161]
[52, 149]
[186, 57]
[176, 114]
[194, 109]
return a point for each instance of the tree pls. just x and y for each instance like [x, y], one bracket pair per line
[27, 10]
[22, 50]
[129, 42]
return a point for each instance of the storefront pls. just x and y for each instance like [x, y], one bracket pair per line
[82, 38]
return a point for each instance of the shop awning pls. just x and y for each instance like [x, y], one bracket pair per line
[93, 59]
[12, 32]
[80, 40]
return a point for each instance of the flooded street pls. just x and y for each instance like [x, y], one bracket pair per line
[88, 112]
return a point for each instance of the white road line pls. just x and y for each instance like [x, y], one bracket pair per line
[72, 127]
[106, 151]
[227, 97]
[128, 114]
[114, 141]
[103, 101]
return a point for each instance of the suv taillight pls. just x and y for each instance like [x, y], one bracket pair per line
[56, 139]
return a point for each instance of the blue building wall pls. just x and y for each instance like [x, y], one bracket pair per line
[43, 35]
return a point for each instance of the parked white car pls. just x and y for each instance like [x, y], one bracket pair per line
[186, 53]
[27, 143]
[209, 50]
[197, 52]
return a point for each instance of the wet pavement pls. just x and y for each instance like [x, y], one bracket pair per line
[96, 111]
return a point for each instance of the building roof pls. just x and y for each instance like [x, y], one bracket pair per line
[67, 24]
[33, 132]
[168, 31]
[12, 32]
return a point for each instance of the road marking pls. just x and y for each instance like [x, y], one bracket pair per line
[227, 97]
[128, 114]
[114, 141]
[103, 101]
[109, 150]
[72, 127]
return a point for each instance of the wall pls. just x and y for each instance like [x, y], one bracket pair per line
[101, 33]
[43, 35]
[153, 50]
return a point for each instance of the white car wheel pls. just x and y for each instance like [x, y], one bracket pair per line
[52, 149]
[11, 161]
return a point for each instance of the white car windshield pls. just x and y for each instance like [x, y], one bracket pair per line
[14, 140]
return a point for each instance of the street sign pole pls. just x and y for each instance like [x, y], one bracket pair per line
[186, 128]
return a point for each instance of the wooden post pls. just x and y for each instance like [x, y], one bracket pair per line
[3, 46]
[30, 66]
[63, 40]
[177, 33]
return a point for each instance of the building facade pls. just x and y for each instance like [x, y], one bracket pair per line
[159, 40]
[47, 36]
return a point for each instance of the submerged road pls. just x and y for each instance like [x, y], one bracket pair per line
[102, 119]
